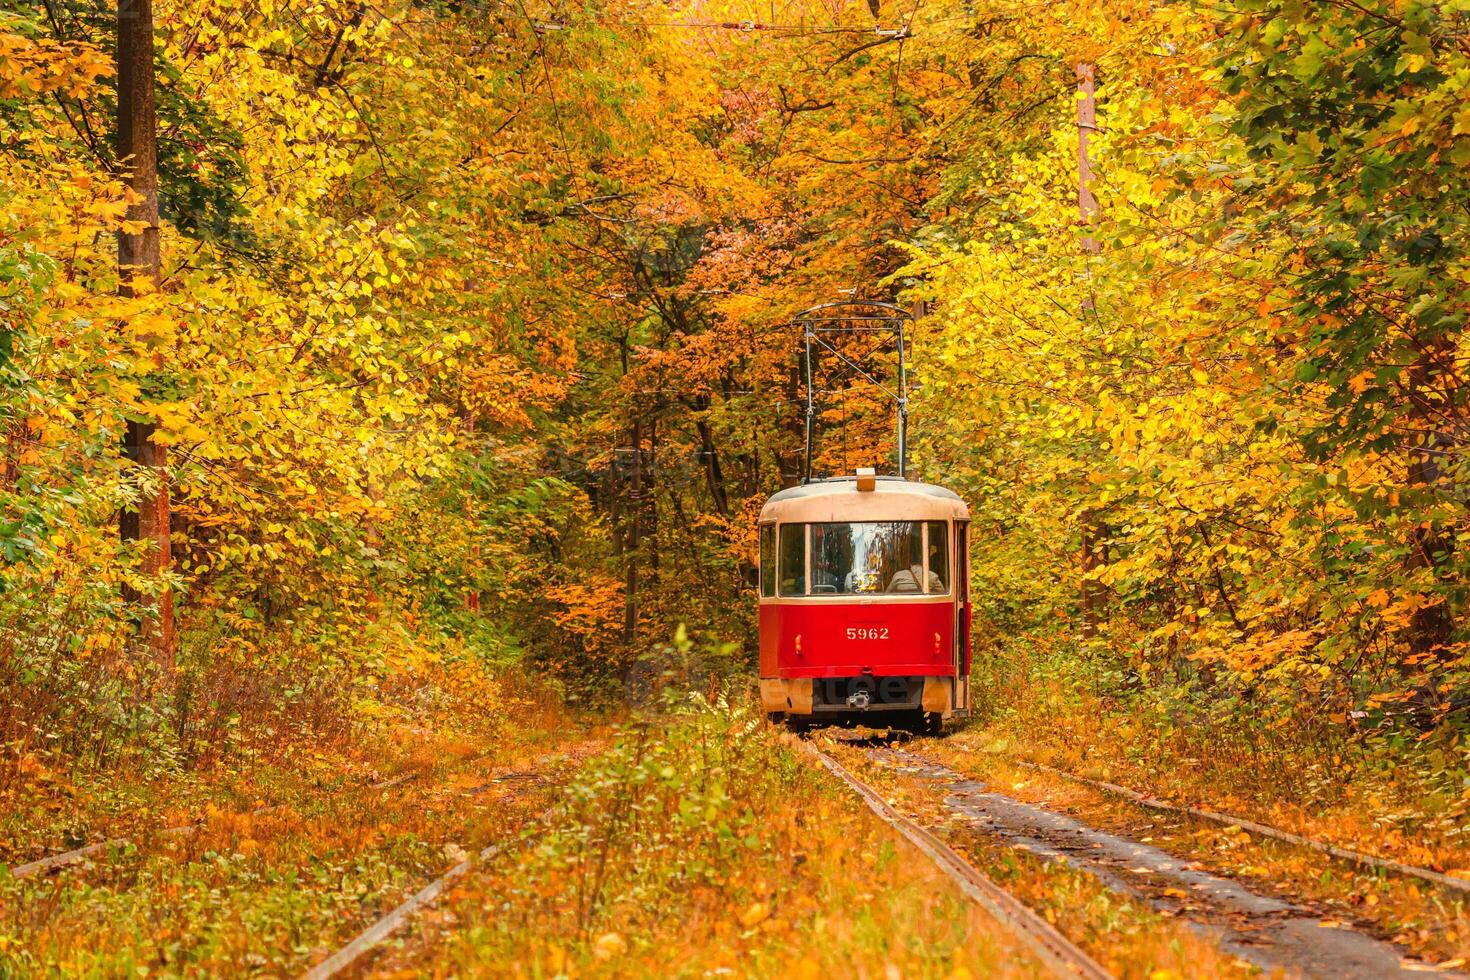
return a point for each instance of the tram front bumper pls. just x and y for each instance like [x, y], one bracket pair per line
[791, 695]
[839, 695]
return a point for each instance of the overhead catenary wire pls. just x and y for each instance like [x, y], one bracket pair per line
[552, 23]
[550, 89]
[742, 26]
[901, 33]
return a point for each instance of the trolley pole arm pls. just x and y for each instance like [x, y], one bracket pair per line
[853, 317]
[810, 407]
[903, 410]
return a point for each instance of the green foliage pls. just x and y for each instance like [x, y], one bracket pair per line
[1356, 131]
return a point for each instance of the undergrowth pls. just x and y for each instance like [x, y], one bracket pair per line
[95, 740]
[265, 890]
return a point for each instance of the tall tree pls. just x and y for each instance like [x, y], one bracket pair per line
[1094, 533]
[139, 270]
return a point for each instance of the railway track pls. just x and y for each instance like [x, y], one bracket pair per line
[55, 862]
[65, 859]
[365, 942]
[1275, 932]
[1258, 829]
[1049, 945]
[535, 772]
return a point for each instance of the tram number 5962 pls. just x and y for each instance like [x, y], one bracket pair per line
[867, 632]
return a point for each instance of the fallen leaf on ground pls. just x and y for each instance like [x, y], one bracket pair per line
[608, 945]
[755, 915]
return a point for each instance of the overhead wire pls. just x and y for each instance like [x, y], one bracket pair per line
[743, 26]
[551, 90]
[749, 25]
[902, 33]
[906, 32]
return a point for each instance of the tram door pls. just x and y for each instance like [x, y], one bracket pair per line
[962, 617]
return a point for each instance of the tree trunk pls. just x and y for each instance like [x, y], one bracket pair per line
[714, 474]
[1430, 547]
[139, 269]
[649, 514]
[630, 555]
[1094, 531]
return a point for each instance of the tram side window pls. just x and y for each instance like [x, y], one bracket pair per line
[938, 556]
[768, 560]
[791, 562]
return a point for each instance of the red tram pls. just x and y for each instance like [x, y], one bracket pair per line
[864, 603]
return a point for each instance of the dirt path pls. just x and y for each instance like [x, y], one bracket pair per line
[1266, 931]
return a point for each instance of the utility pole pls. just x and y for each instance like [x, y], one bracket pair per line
[1086, 123]
[138, 258]
[1093, 532]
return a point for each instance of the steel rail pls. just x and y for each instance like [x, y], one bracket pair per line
[76, 856]
[1053, 948]
[367, 940]
[54, 862]
[396, 918]
[1259, 829]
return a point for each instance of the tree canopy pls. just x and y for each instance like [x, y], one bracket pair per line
[471, 337]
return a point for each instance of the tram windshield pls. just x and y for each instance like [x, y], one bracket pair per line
[873, 557]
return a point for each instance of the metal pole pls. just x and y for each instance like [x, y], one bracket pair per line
[810, 416]
[903, 408]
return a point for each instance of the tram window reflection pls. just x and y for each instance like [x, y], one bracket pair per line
[768, 560]
[871, 557]
[938, 556]
[791, 563]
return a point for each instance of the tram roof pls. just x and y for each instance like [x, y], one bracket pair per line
[838, 499]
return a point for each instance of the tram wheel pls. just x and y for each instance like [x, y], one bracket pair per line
[910, 722]
[798, 725]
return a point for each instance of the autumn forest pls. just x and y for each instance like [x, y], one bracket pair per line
[390, 391]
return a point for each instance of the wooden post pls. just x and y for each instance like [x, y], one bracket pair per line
[138, 257]
[1086, 123]
[1094, 533]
